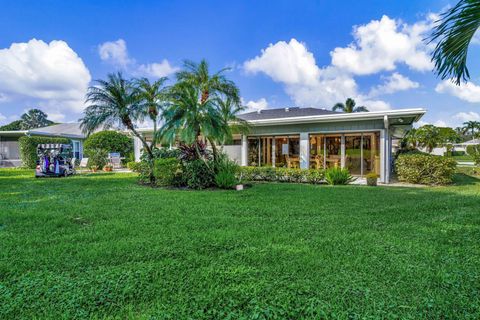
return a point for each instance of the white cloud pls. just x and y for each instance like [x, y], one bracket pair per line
[381, 44]
[47, 75]
[116, 53]
[393, 83]
[466, 91]
[257, 105]
[158, 70]
[291, 64]
[2, 118]
[467, 116]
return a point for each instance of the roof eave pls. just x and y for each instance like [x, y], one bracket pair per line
[375, 115]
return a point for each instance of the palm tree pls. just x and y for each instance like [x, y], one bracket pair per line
[208, 86]
[34, 118]
[116, 102]
[188, 118]
[349, 107]
[452, 35]
[229, 113]
[152, 100]
[471, 126]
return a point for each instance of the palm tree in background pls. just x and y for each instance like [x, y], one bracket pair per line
[229, 113]
[452, 35]
[471, 126]
[349, 107]
[34, 118]
[208, 87]
[116, 102]
[152, 100]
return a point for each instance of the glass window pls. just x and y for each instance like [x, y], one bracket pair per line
[353, 154]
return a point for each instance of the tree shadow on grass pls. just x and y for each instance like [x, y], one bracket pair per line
[462, 179]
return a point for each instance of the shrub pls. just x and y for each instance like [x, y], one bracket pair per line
[338, 176]
[143, 170]
[458, 153]
[188, 152]
[97, 158]
[281, 174]
[111, 141]
[167, 172]
[372, 179]
[28, 148]
[198, 174]
[226, 176]
[161, 153]
[425, 169]
[474, 151]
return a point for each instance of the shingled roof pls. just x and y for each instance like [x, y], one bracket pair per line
[284, 113]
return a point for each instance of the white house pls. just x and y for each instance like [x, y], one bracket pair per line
[318, 138]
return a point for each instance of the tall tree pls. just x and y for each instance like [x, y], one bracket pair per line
[452, 35]
[152, 100]
[116, 102]
[229, 114]
[34, 118]
[12, 126]
[208, 86]
[471, 126]
[428, 137]
[349, 107]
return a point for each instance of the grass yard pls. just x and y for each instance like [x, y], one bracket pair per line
[100, 246]
[465, 157]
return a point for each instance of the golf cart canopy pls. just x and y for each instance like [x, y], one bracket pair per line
[57, 146]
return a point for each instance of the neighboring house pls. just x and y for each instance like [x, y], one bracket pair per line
[318, 138]
[462, 146]
[9, 148]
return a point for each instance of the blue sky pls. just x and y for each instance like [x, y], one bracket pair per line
[282, 53]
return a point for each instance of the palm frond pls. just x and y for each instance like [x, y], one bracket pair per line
[453, 34]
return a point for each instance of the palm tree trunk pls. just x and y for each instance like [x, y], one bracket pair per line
[214, 149]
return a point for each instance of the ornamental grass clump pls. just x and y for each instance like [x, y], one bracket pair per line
[338, 176]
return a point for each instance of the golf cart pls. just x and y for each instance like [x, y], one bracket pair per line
[54, 160]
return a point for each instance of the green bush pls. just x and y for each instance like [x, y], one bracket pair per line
[111, 141]
[97, 158]
[198, 174]
[167, 172]
[338, 176]
[28, 148]
[281, 174]
[226, 176]
[142, 168]
[425, 169]
[161, 153]
[458, 153]
[474, 151]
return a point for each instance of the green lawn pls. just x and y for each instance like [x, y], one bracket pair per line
[100, 246]
[465, 157]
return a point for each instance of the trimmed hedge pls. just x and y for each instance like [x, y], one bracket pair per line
[110, 141]
[425, 169]
[28, 148]
[313, 176]
[167, 172]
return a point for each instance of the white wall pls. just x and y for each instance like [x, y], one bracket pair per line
[233, 152]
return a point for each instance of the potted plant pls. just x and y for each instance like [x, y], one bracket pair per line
[97, 158]
[108, 168]
[372, 179]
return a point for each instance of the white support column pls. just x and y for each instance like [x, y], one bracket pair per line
[244, 151]
[342, 152]
[304, 151]
[382, 156]
[274, 146]
[388, 164]
[137, 148]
